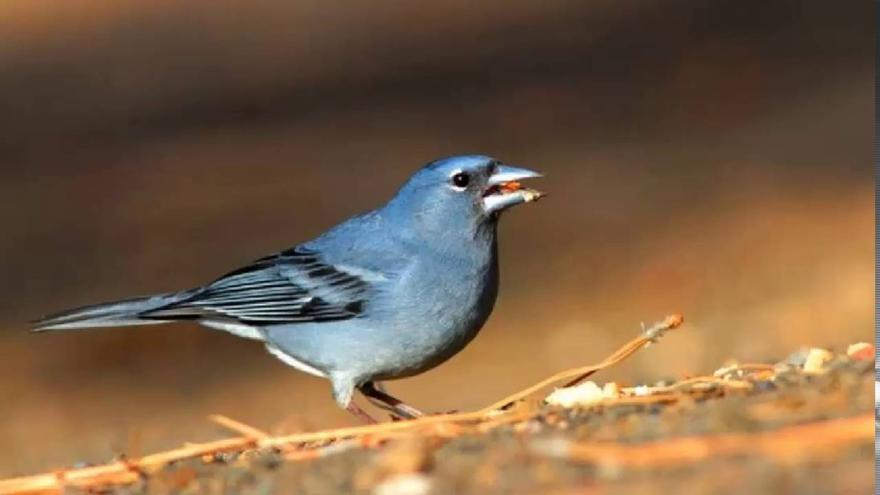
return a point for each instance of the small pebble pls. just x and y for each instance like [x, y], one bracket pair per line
[862, 351]
[404, 484]
[816, 360]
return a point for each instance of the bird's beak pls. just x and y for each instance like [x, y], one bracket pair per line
[504, 190]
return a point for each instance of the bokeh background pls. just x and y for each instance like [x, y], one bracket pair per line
[710, 158]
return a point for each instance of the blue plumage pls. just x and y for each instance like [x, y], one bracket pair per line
[383, 295]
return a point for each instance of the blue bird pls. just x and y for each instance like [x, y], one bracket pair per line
[387, 294]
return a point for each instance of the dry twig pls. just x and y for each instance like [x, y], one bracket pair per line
[442, 425]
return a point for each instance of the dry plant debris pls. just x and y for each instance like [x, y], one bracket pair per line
[608, 428]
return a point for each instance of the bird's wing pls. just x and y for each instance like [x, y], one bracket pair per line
[293, 286]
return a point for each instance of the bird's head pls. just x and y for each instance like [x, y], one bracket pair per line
[466, 189]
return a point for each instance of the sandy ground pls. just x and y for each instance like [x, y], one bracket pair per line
[804, 425]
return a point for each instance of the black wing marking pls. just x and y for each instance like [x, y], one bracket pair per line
[293, 286]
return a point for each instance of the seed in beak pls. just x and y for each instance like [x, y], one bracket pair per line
[512, 186]
[504, 188]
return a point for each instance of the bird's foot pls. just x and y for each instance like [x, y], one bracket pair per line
[407, 411]
[360, 413]
[383, 400]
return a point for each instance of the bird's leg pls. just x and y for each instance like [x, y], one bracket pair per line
[360, 413]
[381, 404]
[384, 400]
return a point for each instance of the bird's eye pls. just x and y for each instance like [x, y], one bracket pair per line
[461, 179]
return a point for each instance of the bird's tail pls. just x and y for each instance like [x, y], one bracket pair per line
[127, 312]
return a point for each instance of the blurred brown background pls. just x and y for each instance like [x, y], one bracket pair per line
[709, 158]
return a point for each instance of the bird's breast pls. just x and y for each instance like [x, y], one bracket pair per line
[439, 306]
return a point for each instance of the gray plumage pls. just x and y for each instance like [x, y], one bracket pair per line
[384, 295]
